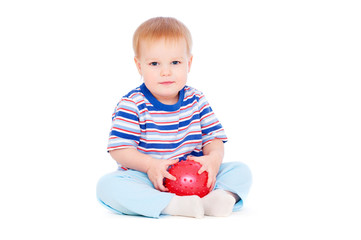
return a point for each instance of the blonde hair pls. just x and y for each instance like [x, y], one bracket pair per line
[161, 27]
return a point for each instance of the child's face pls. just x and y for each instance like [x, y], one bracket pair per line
[164, 66]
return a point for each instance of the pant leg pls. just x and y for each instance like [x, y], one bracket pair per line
[235, 177]
[131, 192]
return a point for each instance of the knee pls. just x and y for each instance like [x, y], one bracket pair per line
[100, 186]
[104, 185]
[243, 169]
[240, 169]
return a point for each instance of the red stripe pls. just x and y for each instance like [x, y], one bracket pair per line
[157, 123]
[172, 122]
[158, 131]
[190, 96]
[127, 110]
[163, 113]
[170, 131]
[168, 141]
[204, 107]
[207, 115]
[123, 130]
[121, 146]
[135, 142]
[138, 103]
[136, 93]
[126, 120]
[211, 125]
[189, 117]
[206, 142]
[128, 100]
[173, 150]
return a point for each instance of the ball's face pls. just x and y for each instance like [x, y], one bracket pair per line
[188, 182]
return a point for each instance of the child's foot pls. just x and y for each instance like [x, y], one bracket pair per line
[187, 206]
[218, 203]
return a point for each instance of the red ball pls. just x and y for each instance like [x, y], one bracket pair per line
[188, 182]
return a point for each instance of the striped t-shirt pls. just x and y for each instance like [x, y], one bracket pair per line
[162, 131]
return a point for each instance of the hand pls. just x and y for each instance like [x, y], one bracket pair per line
[209, 164]
[157, 171]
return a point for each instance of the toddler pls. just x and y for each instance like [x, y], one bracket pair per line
[162, 122]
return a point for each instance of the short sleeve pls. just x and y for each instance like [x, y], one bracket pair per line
[211, 127]
[125, 130]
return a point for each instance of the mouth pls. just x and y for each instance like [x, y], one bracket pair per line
[167, 82]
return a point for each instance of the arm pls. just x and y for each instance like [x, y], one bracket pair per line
[156, 169]
[131, 158]
[211, 160]
[216, 149]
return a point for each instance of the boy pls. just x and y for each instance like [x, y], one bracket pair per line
[164, 121]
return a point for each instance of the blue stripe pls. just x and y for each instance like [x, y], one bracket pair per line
[150, 126]
[117, 144]
[126, 115]
[205, 111]
[212, 129]
[137, 90]
[188, 122]
[124, 135]
[171, 145]
[190, 100]
[125, 126]
[170, 126]
[150, 108]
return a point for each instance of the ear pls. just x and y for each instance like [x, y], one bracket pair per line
[137, 64]
[190, 63]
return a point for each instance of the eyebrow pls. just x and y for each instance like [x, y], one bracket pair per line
[157, 59]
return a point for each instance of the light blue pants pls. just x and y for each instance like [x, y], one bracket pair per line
[131, 192]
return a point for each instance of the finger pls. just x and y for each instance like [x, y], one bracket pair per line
[172, 162]
[163, 189]
[155, 184]
[212, 187]
[196, 159]
[161, 186]
[202, 169]
[210, 183]
[169, 176]
[213, 183]
[211, 179]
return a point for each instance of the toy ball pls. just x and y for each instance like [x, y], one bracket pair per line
[188, 182]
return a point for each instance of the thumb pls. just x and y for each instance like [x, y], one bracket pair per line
[202, 169]
[172, 162]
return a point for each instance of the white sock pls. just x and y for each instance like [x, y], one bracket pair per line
[218, 203]
[187, 206]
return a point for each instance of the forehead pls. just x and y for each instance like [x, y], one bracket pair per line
[163, 46]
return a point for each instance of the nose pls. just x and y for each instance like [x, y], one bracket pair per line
[165, 71]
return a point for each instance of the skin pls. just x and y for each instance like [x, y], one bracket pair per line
[164, 65]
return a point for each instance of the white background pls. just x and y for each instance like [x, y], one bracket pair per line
[282, 76]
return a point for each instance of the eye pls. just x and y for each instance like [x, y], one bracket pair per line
[176, 62]
[154, 64]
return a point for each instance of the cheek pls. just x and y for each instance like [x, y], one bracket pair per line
[149, 74]
[182, 75]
